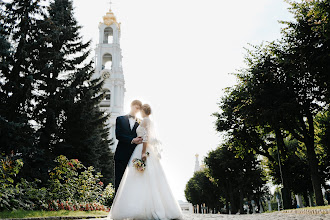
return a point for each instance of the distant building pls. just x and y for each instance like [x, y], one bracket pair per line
[186, 206]
[198, 167]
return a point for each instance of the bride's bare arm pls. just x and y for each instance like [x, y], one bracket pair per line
[144, 156]
[145, 124]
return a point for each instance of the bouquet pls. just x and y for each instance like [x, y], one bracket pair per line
[139, 164]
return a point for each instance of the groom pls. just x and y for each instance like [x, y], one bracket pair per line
[127, 140]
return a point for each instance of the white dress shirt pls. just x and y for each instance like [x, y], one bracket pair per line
[132, 122]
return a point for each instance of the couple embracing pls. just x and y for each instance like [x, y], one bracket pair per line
[142, 190]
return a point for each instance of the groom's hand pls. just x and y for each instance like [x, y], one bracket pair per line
[137, 140]
[140, 140]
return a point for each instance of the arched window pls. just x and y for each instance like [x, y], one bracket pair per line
[107, 95]
[107, 61]
[106, 100]
[108, 36]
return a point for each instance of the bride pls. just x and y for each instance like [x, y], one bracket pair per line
[145, 193]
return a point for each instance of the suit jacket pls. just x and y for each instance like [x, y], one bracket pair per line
[124, 135]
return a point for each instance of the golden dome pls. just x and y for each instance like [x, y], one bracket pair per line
[110, 19]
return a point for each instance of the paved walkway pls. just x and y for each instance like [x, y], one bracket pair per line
[263, 216]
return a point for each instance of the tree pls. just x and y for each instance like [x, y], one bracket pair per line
[237, 177]
[304, 60]
[72, 122]
[202, 189]
[86, 132]
[285, 86]
[323, 143]
[19, 42]
[295, 164]
[5, 127]
[251, 112]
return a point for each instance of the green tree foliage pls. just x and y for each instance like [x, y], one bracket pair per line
[295, 164]
[304, 60]
[282, 91]
[250, 113]
[72, 122]
[18, 39]
[323, 142]
[86, 131]
[237, 177]
[202, 189]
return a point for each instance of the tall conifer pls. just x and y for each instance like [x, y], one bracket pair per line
[18, 46]
[76, 126]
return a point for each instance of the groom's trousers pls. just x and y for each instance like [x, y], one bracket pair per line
[120, 166]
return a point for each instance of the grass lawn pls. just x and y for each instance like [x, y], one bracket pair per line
[33, 214]
[318, 207]
[314, 207]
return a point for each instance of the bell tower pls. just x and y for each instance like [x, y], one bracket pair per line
[108, 61]
[197, 166]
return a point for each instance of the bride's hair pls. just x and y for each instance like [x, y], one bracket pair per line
[146, 109]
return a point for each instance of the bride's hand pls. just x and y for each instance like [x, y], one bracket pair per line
[144, 157]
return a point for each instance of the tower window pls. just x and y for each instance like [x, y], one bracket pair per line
[108, 35]
[107, 98]
[107, 61]
[107, 95]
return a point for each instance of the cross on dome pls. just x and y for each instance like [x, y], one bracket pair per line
[110, 2]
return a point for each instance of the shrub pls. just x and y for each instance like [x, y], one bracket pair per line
[71, 186]
[108, 195]
[70, 180]
[23, 194]
[9, 168]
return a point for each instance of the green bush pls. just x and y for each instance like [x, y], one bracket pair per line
[71, 186]
[70, 180]
[108, 195]
[10, 167]
[22, 195]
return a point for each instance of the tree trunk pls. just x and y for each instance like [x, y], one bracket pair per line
[262, 206]
[227, 206]
[282, 150]
[241, 197]
[305, 195]
[313, 166]
[313, 161]
[232, 201]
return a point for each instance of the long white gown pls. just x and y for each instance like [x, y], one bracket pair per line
[145, 195]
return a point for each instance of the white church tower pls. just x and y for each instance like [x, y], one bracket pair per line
[108, 61]
[197, 166]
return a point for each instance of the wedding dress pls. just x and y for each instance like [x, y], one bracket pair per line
[145, 194]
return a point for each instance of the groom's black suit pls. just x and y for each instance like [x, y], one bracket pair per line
[124, 150]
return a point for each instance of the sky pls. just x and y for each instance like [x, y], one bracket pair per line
[178, 56]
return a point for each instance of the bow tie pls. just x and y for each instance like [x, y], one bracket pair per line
[131, 116]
